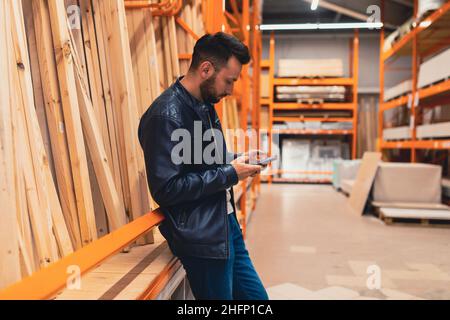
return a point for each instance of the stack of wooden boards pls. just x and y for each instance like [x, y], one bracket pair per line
[308, 93]
[147, 272]
[77, 75]
[310, 68]
[400, 191]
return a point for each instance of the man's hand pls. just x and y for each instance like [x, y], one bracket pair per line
[243, 169]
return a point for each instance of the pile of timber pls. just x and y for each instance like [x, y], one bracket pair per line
[76, 77]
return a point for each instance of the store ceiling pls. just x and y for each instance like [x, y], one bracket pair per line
[299, 11]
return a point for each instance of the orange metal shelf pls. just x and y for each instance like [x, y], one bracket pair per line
[436, 89]
[281, 171]
[313, 81]
[47, 282]
[432, 34]
[301, 119]
[264, 101]
[297, 180]
[430, 37]
[307, 106]
[351, 81]
[419, 144]
[403, 100]
[313, 132]
[265, 64]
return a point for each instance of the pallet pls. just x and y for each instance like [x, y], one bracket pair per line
[415, 217]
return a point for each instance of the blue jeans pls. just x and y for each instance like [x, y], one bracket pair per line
[231, 279]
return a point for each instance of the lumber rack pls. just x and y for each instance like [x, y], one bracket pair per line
[47, 282]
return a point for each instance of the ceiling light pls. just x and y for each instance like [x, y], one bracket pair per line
[322, 26]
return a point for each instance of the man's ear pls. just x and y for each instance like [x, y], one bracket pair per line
[206, 69]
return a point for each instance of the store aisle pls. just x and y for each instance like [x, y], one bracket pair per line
[306, 243]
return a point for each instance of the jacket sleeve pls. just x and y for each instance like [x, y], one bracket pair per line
[169, 185]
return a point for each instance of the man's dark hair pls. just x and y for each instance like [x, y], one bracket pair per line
[218, 49]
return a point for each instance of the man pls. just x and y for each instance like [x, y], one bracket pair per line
[195, 195]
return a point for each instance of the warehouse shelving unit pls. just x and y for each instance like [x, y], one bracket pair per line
[350, 82]
[427, 38]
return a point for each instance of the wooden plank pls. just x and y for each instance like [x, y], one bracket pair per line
[188, 18]
[37, 84]
[416, 213]
[55, 120]
[103, 27]
[124, 91]
[364, 181]
[77, 150]
[173, 48]
[167, 51]
[50, 211]
[113, 203]
[132, 17]
[157, 25]
[412, 205]
[91, 51]
[9, 251]
[88, 60]
[183, 41]
[153, 55]
[105, 70]
[26, 248]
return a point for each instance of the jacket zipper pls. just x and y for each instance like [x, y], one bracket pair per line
[227, 249]
[225, 209]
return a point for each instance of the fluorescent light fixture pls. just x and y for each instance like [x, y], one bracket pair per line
[322, 26]
[314, 4]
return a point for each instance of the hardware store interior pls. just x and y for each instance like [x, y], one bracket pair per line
[350, 98]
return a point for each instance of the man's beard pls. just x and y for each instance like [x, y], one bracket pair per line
[208, 92]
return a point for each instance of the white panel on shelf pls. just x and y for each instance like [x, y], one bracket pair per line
[398, 133]
[435, 69]
[435, 130]
[398, 90]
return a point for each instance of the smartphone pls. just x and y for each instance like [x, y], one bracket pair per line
[266, 161]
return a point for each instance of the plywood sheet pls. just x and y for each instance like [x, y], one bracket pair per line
[364, 181]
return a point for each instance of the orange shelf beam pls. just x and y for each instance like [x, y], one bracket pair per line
[298, 180]
[436, 89]
[401, 101]
[313, 81]
[302, 119]
[307, 106]
[419, 144]
[313, 132]
[47, 282]
[264, 101]
[265, 64]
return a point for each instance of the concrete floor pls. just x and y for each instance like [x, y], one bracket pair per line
[306, 243]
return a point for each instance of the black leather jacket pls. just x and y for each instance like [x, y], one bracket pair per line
[191, 196]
